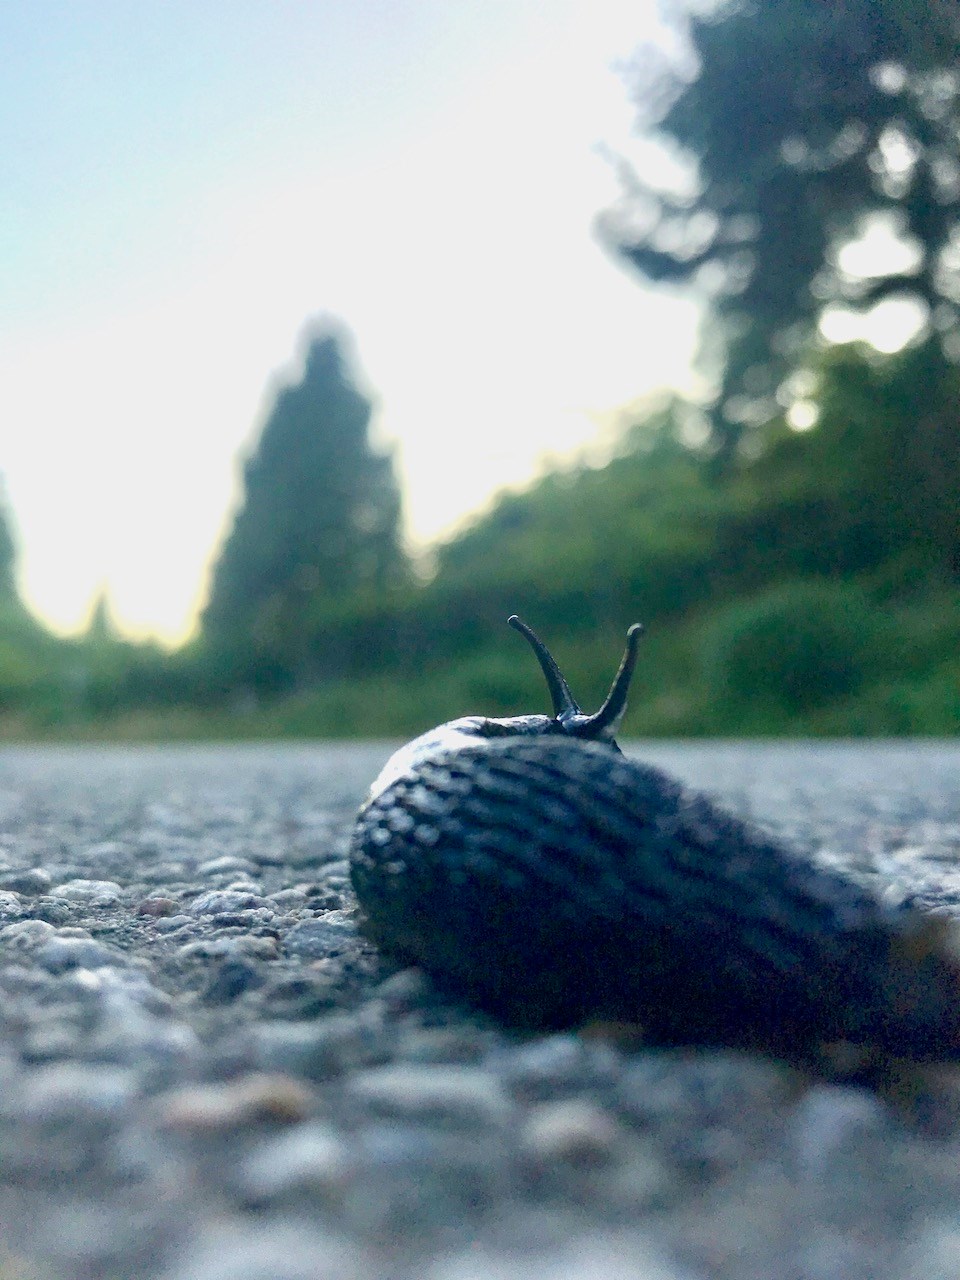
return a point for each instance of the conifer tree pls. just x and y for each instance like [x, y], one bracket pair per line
[317, 527]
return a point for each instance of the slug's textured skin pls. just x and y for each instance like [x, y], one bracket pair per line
[553, 882]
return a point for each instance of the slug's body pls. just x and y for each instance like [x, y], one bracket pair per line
[529, 866]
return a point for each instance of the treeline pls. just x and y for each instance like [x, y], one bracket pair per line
[797, 594]
[793, 546]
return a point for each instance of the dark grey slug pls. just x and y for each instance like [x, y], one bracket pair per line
[530, 867]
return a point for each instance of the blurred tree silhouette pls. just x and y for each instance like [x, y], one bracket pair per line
[318, 524]
[101, 629]
[8, 553]
[807, 125]
[876, 482]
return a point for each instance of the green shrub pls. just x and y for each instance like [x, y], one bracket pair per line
[796, 648]
[926, 705]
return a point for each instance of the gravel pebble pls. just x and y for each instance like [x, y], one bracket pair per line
[68, 1092]
[172, 923]
[457, 1095]
[312, 1160]
[253, 1099]
[10, 906]
[328, 935]
[93, 893]
[228, 864]
[830, 1120]
[616, 1257]
[318, 1049]
[575, 1132]
[557, 1064]
[30, 880]
[220, 902]
[288, 898]
[59, 953]
[156, 907]
[935, 1255]
[232, 947]
[26, 934]
[282, 1252]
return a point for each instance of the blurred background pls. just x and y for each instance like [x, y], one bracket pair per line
[332, 334]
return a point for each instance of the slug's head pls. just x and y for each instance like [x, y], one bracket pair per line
[567, 717]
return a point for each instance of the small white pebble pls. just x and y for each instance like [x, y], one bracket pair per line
[269, 1251]
[826, 1119]
[254, 1098]
[936, 1255]
[574, 1131]
[455, 1094]
[26, 934]
[312, 1156]
[619, 1256]
[95, 893]
[65, 1091]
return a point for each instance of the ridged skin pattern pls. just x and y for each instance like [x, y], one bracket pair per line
[554, 882]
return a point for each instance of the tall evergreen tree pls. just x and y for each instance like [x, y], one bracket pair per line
[8, 552]
[802, 120]
[101, 628]
[318, 524]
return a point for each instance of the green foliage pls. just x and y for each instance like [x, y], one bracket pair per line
[27, 657]
[794, 648]
[874, 487]
[892, 428]
[580, 548]
[802, 121]
[319, 521]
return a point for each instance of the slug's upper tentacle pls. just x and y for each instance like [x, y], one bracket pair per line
[563, 700]
[602, 726]
[605, 722]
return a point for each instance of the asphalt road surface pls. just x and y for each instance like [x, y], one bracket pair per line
[206, 1074]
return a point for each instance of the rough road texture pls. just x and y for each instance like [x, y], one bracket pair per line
[205, 1074]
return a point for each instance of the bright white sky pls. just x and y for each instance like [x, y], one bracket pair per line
[185, 185]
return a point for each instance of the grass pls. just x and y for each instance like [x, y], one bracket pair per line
[911, 686]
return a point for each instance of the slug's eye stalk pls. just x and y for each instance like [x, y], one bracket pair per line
[563, 703]
[604, 724]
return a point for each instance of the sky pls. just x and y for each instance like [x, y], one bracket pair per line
[188, 187]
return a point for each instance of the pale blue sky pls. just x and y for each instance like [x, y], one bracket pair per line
[185, 186]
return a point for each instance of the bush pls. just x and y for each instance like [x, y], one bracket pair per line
[795, 648]
[928, 705]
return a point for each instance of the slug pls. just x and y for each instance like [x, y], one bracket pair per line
[531, 868]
